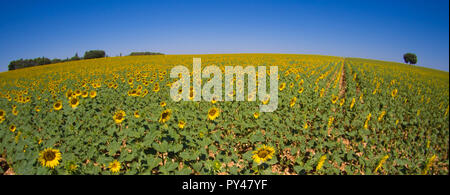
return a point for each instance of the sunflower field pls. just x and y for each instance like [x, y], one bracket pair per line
[115, 115]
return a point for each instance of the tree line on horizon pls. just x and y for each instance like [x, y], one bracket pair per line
[91, 54]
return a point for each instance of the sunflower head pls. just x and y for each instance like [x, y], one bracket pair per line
[334, 99]
[84, 94]
[282, 86]
[156, 88]
[322, 92]
[262, 154]
[342, 102]
[77, 92]
[57, 105]
[394, 93]
[50, 157]
[181, 124]
[71, 166]
[74, 102]
[2, 113]
[12, 128]
[136, 114]
[92, 94]
[214, 100]
[301, 82]
[300, 90]
[15, 112]
[165, 116]
[114, 166]
[119, 116]
[213, 113]
[291, 85]
[292, 102]
[162, 104]
[256, 115]
[266, 99]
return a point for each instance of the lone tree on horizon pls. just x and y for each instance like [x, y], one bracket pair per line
[410, 58]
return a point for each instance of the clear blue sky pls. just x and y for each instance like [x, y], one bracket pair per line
[378, 29]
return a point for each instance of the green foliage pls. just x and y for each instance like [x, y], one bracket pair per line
[145, 53]
[94, 54]
[410, 58]
[21, 63]
[300, 134]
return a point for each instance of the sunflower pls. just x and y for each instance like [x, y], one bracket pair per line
[330, 121]
[114, 166]
[136, 114]
[92, 94]
[156, 88]
[292, 102]
[213, 100]
[353, 103]
[262, 154]
[2, 113]
[266, 99]
[301, 82]
[300, 91]
[74, 102]
[321, 162]
[291, 85]
[213, 113]
[77, 92]
[119, 116]
[181, 124]
[144, 93]
[191, 93]
[162, 104]
[256, 115]
[50, 157]
[57, 105]
[72, 167]
[334, 99]
[282, 86]
[394, 93]
[12, 128]
[84, 94]
[15, 112]
[165, 116]
[381, 115]
[342, 102]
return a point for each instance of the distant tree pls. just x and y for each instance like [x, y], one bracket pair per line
[94, 54]
[75, 57]
[11, 65]
[56, 60]
[410, 58]
[145, 53]
[42, 61]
